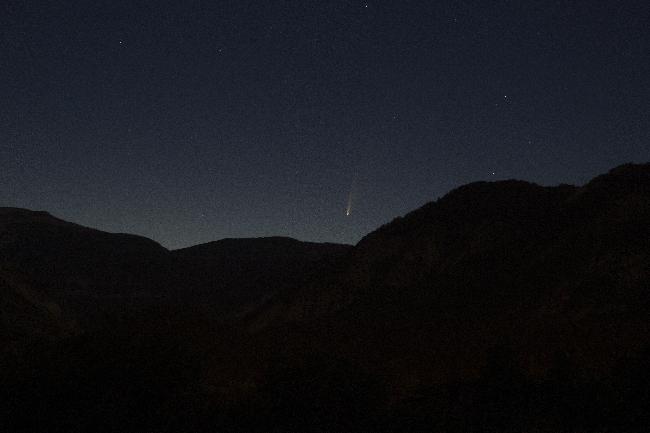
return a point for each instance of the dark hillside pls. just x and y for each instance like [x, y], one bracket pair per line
[502, 306]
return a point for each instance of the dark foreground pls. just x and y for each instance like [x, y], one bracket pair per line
[501, 307]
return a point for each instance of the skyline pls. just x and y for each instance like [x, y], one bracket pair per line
[195, 122]
[348, 212]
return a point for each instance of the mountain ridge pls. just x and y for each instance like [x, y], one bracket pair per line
[628, 174]
[501, 306]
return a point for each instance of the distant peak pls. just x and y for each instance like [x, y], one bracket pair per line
[259, 242]
[630, 176]
[630, 171]
[24, 212]
[19, 214]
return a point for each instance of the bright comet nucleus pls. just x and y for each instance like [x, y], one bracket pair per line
[348, 209]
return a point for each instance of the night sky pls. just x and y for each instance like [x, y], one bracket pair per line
[192, 121]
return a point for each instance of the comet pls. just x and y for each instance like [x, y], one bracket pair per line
[348, 209]
[352, 192]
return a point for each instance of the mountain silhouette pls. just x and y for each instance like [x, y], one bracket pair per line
[89, 270]
[502, 306]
